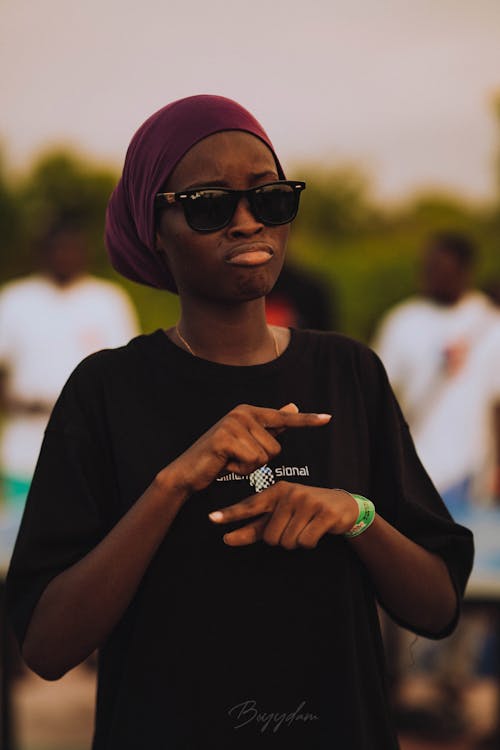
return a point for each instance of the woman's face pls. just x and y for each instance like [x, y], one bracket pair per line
[241, 261]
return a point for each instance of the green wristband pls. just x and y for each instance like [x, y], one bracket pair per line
[365, 517]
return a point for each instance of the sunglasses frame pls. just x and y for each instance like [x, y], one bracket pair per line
[183, 196]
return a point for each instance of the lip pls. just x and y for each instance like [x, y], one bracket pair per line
[250, 254]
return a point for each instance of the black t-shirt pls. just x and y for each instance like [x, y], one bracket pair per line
[273, 647]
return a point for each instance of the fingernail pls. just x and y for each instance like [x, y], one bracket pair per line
[216, 515]
[324, 416]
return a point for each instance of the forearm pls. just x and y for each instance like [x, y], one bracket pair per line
[412, 582]
[81, 605]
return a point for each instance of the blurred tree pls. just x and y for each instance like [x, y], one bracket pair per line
[438, 209]
[62, 184]
[335, 203]
[10, 222]
[367, 253]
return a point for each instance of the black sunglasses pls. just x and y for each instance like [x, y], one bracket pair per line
[208, 209]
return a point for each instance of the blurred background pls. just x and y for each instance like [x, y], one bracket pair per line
[390, 110]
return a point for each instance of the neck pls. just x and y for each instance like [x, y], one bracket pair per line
[234, 335]
[63, 281]
[451, 300]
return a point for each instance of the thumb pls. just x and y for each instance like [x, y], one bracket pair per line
[290, 408]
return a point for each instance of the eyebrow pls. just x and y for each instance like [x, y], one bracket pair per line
[219, 182]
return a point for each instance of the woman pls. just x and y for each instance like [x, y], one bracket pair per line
[258, 627]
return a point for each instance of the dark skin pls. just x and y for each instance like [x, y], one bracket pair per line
[223, 319]
[223, 304]
[65, 258]
[443, 278]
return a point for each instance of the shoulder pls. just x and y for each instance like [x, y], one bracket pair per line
[478, 307]
[355, 370]
[95, 285]
[101, 371]
[343, 350]
[112, 361]
[477, 300]
[407, 312]
[93, 384]
[401, 323]
[17, 290]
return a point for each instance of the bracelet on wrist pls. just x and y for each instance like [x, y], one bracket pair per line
[365, 517]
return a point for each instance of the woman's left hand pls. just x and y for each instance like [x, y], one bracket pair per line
[296, 515]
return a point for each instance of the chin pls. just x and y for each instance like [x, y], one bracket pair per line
[241, 287]
[255, 286]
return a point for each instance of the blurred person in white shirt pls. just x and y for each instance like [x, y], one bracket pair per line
[49, 321]
[442, 353]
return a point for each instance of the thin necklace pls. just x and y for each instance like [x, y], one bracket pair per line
[184, 341]
[181, 337]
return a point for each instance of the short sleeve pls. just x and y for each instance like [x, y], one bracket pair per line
[404, 494]
[66, 512]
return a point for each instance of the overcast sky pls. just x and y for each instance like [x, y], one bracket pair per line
[403, 88]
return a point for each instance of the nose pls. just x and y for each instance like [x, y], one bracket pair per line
[244, 223]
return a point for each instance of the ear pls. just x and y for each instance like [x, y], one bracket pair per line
[159, 240]
[161, 249]
[162, 253]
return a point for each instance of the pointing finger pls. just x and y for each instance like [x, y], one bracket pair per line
[279, 419]
[289, 409]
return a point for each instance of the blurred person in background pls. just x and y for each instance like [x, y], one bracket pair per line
[441, 350]
[49, 321]
[300, 300]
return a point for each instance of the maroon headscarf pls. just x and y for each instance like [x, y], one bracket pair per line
[154, 151]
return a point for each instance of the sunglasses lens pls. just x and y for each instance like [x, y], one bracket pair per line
[208, 210]
[276, 204]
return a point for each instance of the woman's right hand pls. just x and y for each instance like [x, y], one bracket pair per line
[240, 442]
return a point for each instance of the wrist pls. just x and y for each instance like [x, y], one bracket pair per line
[366, 516]
[172, 484]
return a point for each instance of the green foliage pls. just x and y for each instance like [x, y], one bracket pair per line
[367, 254]
[10, 223]
[61, 184]
[335, 203]
[156, 308]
